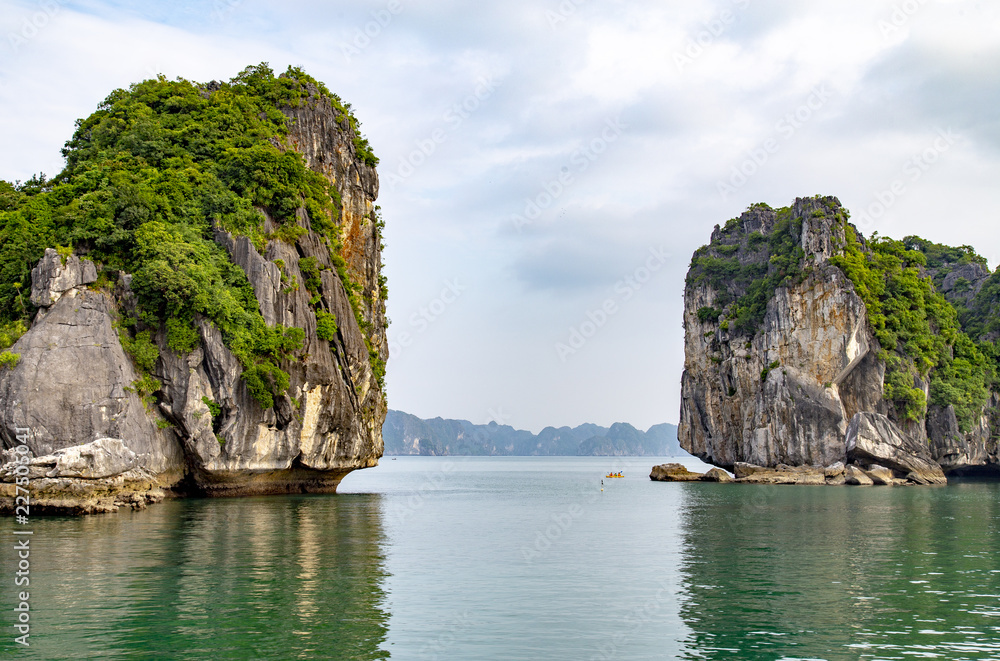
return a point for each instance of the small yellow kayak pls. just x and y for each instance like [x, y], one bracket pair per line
[610, 475]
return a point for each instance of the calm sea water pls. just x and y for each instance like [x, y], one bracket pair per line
[523, 558]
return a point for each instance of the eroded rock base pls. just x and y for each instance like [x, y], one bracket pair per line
[834, 475]
[134, 489]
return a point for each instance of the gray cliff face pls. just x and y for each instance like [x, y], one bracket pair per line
[975, 451]
[805, 387]
[73, 383]
[326, 142]
[325, 426]
[786, 394]
[960, 283]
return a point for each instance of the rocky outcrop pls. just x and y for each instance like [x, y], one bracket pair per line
[105, 457]
[73, 384]
[717, 475]
[975, 452]
[834, 475]
[55, 276]
[857, 477]
[781, 474]
[201, 431]
[881, 475]
[874, 439]
[97, 477]
[785, 392]
[673, 473]
[782, 365]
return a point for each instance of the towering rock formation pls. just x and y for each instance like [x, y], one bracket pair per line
[75, 390]
[782, 365]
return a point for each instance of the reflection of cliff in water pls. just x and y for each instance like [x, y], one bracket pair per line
[802, 572]
[272, 578]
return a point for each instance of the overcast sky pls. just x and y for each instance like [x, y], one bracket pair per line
[549, 166]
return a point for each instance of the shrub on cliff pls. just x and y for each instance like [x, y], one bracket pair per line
[919, 330]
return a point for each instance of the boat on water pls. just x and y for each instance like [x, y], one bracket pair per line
[619, 474]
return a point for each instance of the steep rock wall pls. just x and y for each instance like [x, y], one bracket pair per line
[786, 394]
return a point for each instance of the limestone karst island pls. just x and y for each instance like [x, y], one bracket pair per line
[816, 356]
[195, 304]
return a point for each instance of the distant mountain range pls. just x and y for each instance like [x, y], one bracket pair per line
[406, 434]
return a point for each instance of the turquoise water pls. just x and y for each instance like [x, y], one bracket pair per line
[523, 558]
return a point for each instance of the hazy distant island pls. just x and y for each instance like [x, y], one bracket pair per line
[406, 434]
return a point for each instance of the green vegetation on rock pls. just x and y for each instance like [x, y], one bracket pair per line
[919, 331]
[326, 325]
[144, 352]
[148, 179]
[745, 270]
[982, 318]
[213, 408]
[9, 360]
[10, 332]
[182, 337]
